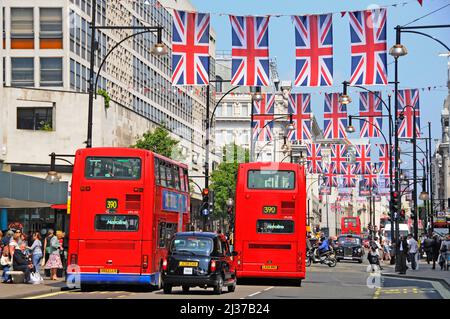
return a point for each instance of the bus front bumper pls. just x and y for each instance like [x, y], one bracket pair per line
[113, 279]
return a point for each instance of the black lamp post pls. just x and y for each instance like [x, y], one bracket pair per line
[52, 175]
[158, 49]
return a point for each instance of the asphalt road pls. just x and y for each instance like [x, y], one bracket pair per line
[346, 281]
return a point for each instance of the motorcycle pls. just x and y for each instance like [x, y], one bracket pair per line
[328, 258]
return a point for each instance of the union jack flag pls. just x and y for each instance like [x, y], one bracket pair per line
[371, 178]
[408, 101]
[338, 157]
[385, 161]
[335, 117]
[331, 179]
[313, 50]
[314, 158]
[370, 107]
[190, 48]
[369, 47]
[250, 51]
[299, 105]
[349, 177]
[263, 115]
[363, 159]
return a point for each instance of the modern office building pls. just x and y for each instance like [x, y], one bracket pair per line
[44, 68]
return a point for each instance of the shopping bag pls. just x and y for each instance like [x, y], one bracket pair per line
[35, 278]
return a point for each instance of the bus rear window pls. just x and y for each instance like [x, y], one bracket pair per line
[116, 222]
[271, 179]
[113, 168]
[273, 226]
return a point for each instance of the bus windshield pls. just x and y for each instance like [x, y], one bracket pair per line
[113, 168]
[271, 179]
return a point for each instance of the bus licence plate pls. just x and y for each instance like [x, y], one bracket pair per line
[269, 267]
[188, 263]
[108, 271]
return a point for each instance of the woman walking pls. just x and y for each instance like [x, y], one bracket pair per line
[54, 260]
[36, 252]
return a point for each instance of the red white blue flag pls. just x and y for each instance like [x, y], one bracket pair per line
[349, 176]
[314, 158]
[371, 178]
[408, 104]
[371, 109]
[363, 164]
[313, 50]
[335, 117]
[339, 157]
[331, 179]
[250, 51]
[384, 160]
[299, 105]
[190, 48]
[263, 115]
[369, 47]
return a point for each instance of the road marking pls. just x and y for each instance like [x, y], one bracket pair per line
[377, 293]
[48, 295]
[268, 288]
[444, 292]
[254, 294]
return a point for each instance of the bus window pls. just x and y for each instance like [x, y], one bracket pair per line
[157, 175]
[112, 168]
[116, 222]
[169, 176]
[162, 173]
[186, 179]
[166, 231]
[274, 226]
[270, 179]
[182, 183]
[176, 177]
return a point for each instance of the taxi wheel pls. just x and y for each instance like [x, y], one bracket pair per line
[232, 288]
[219, 286]
[167, 288]
[185, 289]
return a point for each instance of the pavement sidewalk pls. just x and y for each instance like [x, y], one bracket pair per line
[425, 272]
[16, 291]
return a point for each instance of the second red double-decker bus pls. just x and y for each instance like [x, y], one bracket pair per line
[126, 204]
[350, 225]
[270, 221]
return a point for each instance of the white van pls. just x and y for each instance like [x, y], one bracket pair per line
[404, 230]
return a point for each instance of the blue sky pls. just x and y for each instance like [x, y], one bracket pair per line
[422, 67]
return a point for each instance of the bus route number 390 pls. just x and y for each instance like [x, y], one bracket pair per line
[269, 209]
[112, 203]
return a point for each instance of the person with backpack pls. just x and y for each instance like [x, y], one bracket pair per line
[374, 253]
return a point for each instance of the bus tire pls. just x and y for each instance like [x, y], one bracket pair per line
[300, 282]
[185, 289]
[219, 286]
[167, 289]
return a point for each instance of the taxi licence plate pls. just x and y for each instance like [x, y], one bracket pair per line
[269, 267]
[348, 257]
[188, 263]
[187, 271]
[108, 271]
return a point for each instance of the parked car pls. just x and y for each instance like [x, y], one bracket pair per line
[349, 248]
[200, 259]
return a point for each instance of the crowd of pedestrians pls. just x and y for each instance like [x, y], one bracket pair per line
[30, 253]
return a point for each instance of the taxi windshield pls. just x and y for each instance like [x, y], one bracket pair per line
[192, 245]
[349, 240]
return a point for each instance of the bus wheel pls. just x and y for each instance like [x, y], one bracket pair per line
[185, 289]
[300, 282]
[219, 286]
[167, 288]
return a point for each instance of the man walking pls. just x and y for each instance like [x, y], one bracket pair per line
[403, 252]
[413, 249]
[435, 249]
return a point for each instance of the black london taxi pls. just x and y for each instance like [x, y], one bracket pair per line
[199, 259]
[349, 247]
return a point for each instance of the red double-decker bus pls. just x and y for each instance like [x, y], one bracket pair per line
[126, 204]
[350, 225]
[270, 220]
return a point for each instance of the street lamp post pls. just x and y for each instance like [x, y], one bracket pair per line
[158, 49]
[431, 180]
[52, 175]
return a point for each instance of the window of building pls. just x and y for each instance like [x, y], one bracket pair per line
[229, 109]
[22, 72]
[22, 31]
[244, 109]
[35, 118]
[219, 83]
[51, 72]
[50, 28]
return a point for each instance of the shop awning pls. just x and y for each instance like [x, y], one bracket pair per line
[59, 206]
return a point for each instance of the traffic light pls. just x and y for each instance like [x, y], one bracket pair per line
[211, 201]
[395, 203]
[205, 204]
[402, 214]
